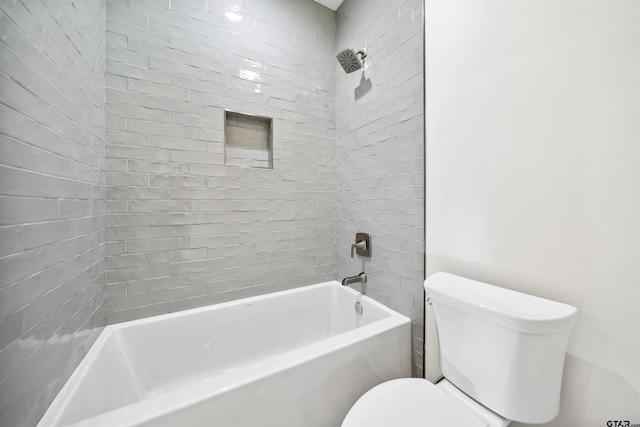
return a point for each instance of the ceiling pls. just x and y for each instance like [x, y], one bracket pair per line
[331, 4]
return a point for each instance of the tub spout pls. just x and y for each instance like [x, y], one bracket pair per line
[362, 277]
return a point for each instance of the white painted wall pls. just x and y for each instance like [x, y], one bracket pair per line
[533, 131]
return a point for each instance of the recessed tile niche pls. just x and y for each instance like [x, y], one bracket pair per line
[248, 140]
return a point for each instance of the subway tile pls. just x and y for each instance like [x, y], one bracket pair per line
[173, 105]
[220, 286]
[136, 32]
[217, 251]
[116, 123]
[165, 4]
[36, 235]
[137, 193]
[137, 233]
[124, 14]
[137, 72]
[69, 160]
[137, 112]
[215, 136]
[19, 295]
[159, 206]
[115, 82]
[112, 165]
[177, 68]
[14, 96]
[10, 151]
[126, 97]
[168, 257]
[298, 195]
[209, 241]
[137, 312]
[11, 240]
[29, 48]
[157, 51]
[136, 273]
[43, 160]
[20, 210]
[205, 50]
[194, 302]
[195, 9]
[161, 219]
[149, 285]
[191, 158]
[19, 182]
[158, 89]
[17, 126]
[194, 194]
[121, 302]
[127, 138]
[75, 208]
[196, 121]
[127, 260]
[198, 230]
[226, 215]
[183, 144]
[141, 153]
[176, 30]
[161, 13]
[390, 131]
[174, 295]
[149, 245]
[196, 266]
[11, 64]
[51, 94]
[246, 292]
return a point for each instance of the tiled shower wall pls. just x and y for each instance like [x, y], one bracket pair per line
[380, 156]
[184, 230]
[52, 187]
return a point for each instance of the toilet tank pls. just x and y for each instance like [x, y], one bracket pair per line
[503, 348]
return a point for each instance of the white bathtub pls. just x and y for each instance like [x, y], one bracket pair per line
[294, 358]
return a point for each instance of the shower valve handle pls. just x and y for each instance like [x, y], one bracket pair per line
[362, 245]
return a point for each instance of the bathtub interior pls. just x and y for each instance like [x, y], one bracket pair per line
[143, 359]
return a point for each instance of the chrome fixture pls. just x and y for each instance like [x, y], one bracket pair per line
[362, 277]
[358, 307]
[362, 245]
[349, 60]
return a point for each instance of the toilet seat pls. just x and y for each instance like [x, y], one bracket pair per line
[410, 402]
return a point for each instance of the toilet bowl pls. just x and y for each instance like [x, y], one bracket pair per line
[501, 354]
[409, 402]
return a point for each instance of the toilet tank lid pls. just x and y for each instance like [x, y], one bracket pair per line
[514, 310]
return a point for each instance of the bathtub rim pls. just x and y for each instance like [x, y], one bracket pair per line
[244, 301]
[148, 409]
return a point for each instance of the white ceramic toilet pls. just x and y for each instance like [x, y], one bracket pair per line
[501, 355]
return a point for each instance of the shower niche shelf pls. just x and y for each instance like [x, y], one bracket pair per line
[248, 140]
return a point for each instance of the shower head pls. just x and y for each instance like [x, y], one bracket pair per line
[350, 61]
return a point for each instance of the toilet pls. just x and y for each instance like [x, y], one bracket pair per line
[501, 356]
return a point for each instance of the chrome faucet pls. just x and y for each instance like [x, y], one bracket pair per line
[362, 277]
